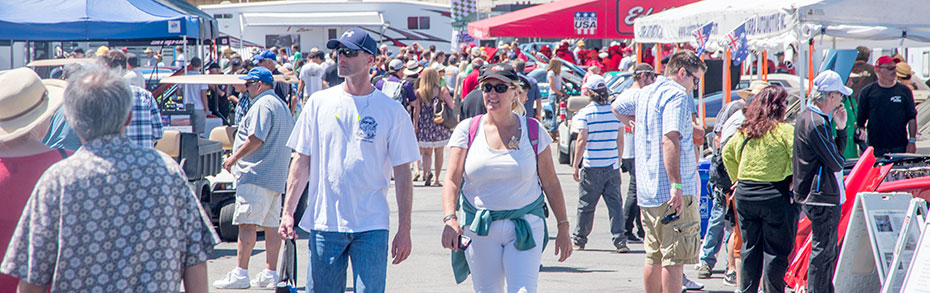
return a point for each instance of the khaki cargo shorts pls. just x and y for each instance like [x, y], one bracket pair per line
[677, 243]
[257, 205]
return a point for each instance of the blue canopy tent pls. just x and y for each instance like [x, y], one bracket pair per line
[85, 20]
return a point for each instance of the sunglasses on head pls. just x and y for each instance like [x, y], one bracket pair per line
[347, 52]
[500, 88]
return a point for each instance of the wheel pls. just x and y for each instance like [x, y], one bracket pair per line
[571, 151]
[564, 157]
[228, 231]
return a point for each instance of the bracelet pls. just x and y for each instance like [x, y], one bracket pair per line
[677, 185]
[562, 222]
[449, 217]
[911, 140]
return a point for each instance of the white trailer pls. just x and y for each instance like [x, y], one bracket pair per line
[310, 23]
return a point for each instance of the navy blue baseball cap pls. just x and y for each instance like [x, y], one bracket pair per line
[259, 73]
[265, 54]
[355, 39]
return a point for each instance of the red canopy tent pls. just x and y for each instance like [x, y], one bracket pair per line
[588, 19]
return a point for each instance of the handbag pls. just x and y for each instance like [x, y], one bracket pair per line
[288, 268]
[443, 114]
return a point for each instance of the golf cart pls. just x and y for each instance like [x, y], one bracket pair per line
[216, 188]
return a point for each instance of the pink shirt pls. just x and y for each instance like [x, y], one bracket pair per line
[18, 175]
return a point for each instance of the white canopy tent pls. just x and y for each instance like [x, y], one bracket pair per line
[773, 25]
[776, 25]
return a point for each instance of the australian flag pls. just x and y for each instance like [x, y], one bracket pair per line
[702, 34]
[736, 41]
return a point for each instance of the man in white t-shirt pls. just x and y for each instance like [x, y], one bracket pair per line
[349, 139]
[311, 75]
[196, 94]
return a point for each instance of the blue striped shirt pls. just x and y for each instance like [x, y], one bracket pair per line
[603, 127]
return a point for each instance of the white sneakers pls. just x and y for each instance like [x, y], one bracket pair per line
[265, 280]
[233, 280]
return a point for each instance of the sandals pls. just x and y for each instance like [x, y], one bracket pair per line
[416, 175]
[428, 180]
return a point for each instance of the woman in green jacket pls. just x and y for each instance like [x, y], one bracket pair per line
[758, 158]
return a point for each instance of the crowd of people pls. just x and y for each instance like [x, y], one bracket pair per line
[361, 117]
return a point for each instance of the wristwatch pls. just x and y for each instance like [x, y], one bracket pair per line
[449, 217]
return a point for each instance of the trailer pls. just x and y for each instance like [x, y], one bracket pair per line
[311, 23]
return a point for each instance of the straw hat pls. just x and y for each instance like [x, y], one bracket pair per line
[26, 101]
[754, 88]
[903, 70]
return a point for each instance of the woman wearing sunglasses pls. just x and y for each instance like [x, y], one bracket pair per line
[502, 232]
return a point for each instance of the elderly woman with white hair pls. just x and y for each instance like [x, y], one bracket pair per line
[114, 216]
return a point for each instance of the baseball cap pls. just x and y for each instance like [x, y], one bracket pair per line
[500, 71]
[597, 84]
[830, 81]
[265, 54]
[355, 39]
[886, 59]
[396, 65]
[259, 73]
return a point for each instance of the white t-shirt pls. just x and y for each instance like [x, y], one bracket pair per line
[353, 143]
[557, 82]
[312, 76]
[135, 78]
[629, 146]
[499, 179]
[192, 92]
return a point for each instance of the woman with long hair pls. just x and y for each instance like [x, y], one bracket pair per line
[500, 186]
[432, 136]
[758, 158]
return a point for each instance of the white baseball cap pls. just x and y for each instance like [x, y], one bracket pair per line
[830, 81]
[595, 82]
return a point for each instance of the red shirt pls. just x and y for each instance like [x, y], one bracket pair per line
[470, 83]
[18, 175]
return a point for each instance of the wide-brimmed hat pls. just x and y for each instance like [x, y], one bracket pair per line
[413, 68]
[904, 70]
[26, 101]
[754, 88]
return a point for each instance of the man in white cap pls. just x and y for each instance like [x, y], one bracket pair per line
[818, 173]
[597, 162]
[395, 86]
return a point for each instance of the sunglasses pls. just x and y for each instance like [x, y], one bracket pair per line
[250, 82]
[697, 81]
[888, 67]
[347, 52]
[500, 88]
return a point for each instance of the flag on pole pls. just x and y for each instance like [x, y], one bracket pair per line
[736, 41]
[702, 34]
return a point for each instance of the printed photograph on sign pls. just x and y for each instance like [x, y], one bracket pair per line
[883, 223]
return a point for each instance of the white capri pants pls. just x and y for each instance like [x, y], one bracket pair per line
[493, 258]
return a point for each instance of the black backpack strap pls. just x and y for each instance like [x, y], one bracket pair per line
[63, 153]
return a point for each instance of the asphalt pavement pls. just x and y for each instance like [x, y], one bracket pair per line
[598, 268]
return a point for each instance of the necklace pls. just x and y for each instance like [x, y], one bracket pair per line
[514, 143]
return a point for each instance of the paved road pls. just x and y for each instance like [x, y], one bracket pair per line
[597, 268]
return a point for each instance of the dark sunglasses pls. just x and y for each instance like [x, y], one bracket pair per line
[348, 52]
[697, 81]
[500, 88]
[250, 82]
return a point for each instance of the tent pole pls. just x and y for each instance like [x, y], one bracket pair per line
[11, 53]
[726, 77]
[658, 59]
[765, 66]
[184, 51]
[702, 108]
[639, 53]
[797, 19]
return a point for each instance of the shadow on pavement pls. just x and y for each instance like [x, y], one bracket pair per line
[550, 269]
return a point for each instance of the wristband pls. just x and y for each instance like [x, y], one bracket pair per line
[911, 140]
[677, 185]
[562, 222]
[449, 217]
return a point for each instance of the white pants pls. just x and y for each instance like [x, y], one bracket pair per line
[493, 258]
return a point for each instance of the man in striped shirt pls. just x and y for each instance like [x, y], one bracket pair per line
[598, 145]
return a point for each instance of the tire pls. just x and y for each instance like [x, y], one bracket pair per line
[228, 231]
[571, 151]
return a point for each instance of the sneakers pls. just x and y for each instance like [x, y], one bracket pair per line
[232, 281]
[703, 271]
[622, 248]
[689, 285]
[730, 278]
[265, 280]
[633, 239]
[577, 247]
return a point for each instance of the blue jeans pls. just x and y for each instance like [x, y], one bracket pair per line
[715, 227]
[329, 255]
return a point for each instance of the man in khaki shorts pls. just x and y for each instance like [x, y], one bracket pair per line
[259, 162]
[668, 187]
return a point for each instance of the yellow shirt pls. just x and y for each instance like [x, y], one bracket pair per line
[764, 159]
